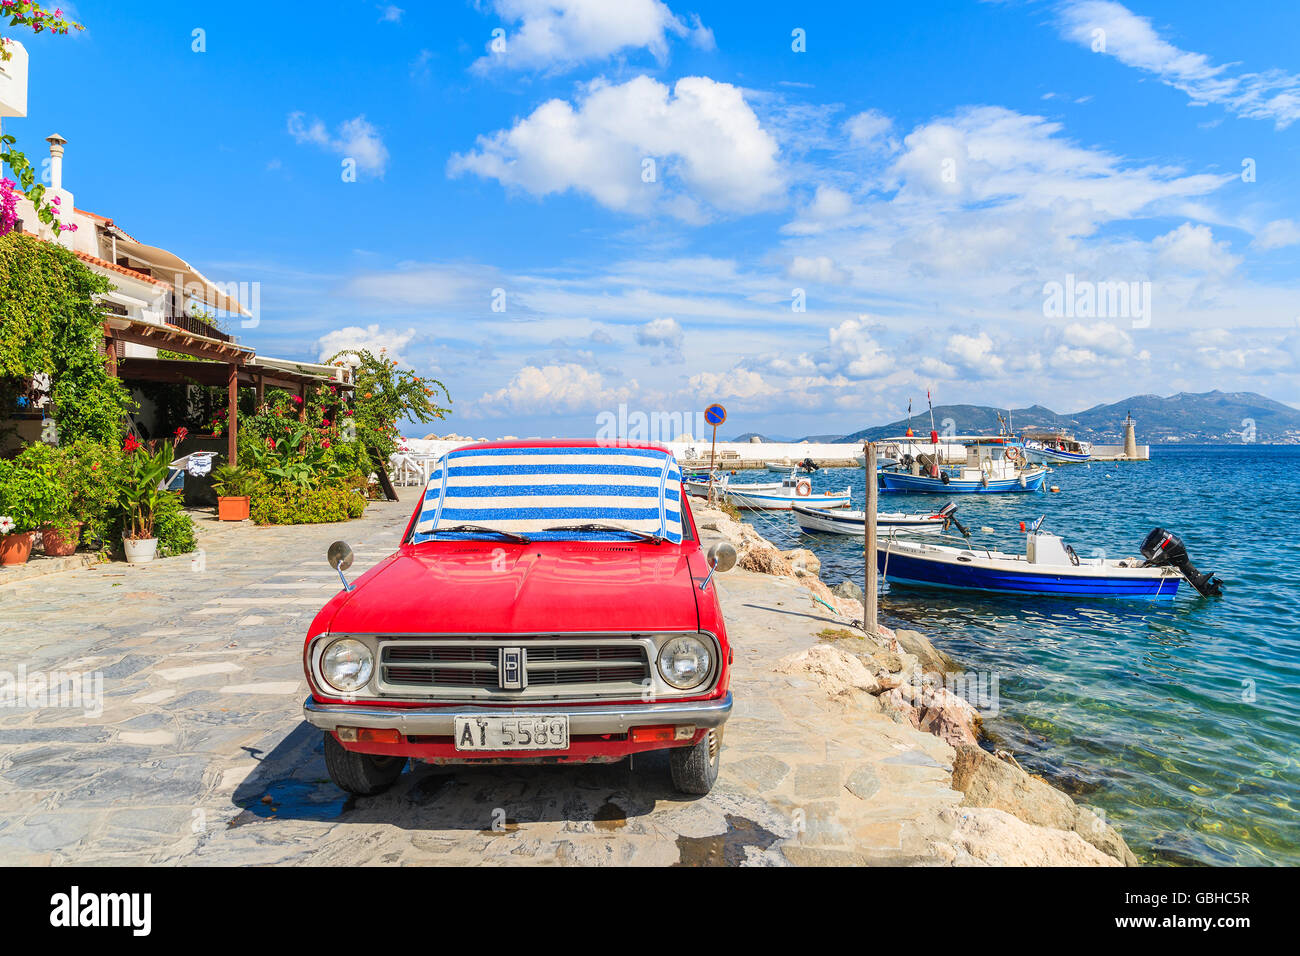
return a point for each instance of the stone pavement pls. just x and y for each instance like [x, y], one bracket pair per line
[200, 755]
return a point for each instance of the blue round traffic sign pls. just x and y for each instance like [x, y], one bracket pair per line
[715, 414]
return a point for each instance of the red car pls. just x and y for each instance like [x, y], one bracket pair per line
[548, 603]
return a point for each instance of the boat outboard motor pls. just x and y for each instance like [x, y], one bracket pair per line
[1164, 548]
[949, 514]
[808, 465]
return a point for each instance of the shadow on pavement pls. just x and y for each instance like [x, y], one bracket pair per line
[291, 783]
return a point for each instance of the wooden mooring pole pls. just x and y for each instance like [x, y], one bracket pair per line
[870, 612]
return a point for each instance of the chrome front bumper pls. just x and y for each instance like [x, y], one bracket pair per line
[596, 719]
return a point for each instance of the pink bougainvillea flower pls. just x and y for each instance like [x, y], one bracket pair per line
[297, 399]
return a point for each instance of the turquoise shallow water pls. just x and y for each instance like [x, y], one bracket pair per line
[1181, 721]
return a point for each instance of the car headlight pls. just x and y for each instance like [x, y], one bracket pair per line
[685, 662]
[347, 665]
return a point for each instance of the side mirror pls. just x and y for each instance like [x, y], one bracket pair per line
[722, 557]
[340, 558]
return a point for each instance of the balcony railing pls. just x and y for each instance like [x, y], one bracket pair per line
[189, 323]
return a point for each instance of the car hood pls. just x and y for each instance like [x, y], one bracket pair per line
[488, 588]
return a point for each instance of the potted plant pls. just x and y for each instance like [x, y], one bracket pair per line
[15, 546]
[140, 494]
[233, 486]
[32, 496]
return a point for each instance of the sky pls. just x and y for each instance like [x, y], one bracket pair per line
[810, 213]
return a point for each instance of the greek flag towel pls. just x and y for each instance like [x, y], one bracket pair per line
[526, 490]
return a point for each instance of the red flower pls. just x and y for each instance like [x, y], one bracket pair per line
[271, 442]
[131, 444]
[181, 433]
[325, 443]
[297, 399]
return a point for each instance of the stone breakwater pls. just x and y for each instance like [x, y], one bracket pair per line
[903, 676]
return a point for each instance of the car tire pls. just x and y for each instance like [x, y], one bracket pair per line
[695, 768]
[362, 774]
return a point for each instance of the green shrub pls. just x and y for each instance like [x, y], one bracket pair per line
[173, 527]
[283, 503]
[33, 491]
[92, 471]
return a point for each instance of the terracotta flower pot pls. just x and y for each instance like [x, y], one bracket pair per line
[233, 508]
[16, 548]
[60, 545]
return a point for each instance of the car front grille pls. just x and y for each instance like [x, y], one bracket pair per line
[468, 670]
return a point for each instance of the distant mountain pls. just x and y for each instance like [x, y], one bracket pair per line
[763, 438]
[1205, 418]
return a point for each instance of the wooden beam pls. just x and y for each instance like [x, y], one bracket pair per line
[232, 415]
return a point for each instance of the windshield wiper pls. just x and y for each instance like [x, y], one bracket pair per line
[508, 535]
[591, 526]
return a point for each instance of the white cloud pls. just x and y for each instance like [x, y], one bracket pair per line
[1131, 39]
[555, 388]
[389, 13]
[854, 352]
[557, 35]
[870, 129]
[663, 334]
[699, 145]
[739, 383]
[975, 354]
[372, 338]
[1193, 248]
[1276, 235]
[816, 269]
[356, 139]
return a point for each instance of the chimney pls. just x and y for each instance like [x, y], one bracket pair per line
[57, 143]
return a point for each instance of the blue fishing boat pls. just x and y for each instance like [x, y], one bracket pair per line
[992, 465]
[1048, 566]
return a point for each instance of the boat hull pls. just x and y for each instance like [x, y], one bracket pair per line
[896, 481]
[1052, 456]
[852, 522]
[916, 571]
[767, 501]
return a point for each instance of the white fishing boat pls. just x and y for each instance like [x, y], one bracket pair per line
[1055, 447]
[993, 464]
[783, 497]
[816, 521]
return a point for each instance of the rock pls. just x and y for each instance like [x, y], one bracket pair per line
[931, 658]
[987, 781]
[801, 559]
[837, 671]
[765, 560]
[937, 710]
[851, 590]
[997, 838]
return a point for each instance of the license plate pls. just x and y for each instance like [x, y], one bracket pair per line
[539, 732]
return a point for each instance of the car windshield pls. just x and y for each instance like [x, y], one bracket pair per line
[613, 528]
[478, 529]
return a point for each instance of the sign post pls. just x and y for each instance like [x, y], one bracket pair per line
[715, 415]
[869, 610]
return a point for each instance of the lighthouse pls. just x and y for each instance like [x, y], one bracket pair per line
[1130, 438]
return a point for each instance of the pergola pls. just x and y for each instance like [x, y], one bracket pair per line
[223, 362]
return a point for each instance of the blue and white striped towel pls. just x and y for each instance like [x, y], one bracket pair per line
[525, 490]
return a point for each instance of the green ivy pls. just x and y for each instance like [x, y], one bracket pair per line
[51, 323]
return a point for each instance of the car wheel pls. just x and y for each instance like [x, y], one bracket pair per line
[362, 774]
[695, 768]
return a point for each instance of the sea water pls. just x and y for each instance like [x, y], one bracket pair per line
[1179, 721]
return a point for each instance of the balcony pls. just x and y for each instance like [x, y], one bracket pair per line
[188, 323]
